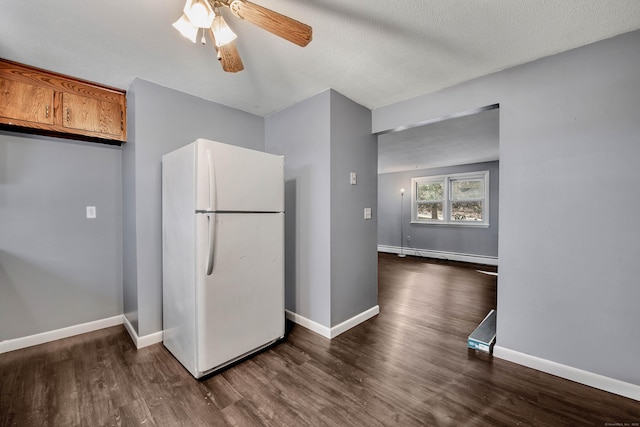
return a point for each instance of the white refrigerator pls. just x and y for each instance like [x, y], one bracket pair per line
[223, 253]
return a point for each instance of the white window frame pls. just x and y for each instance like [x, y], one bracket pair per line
[446, 203]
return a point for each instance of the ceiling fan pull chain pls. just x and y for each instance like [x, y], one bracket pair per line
[203, 40]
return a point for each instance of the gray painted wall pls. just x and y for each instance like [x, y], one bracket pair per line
[302, 134]
[58, 268]
[331, 260]
[164, 119]
[569, 126]
[354, 256]
[463, 240]
[129, 240]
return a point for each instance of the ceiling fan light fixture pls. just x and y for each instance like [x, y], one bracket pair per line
[199, 12]
[205, 14]
[223, 34]
[184, 27]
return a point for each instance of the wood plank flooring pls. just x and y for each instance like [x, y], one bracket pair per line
[408, 366]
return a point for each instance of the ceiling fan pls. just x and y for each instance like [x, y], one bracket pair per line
[205, 15]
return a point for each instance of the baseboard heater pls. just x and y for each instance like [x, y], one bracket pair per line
[484, 336]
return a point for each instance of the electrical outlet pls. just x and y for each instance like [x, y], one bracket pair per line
[91, 212]
[408, 238]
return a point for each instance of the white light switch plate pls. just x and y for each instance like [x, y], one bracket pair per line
[367, 213]
[353, 178]
[91, 212]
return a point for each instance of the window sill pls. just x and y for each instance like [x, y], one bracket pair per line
[453, 224]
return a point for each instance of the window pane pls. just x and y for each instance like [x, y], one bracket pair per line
[467, 189]
[430, 191]
[466, 211]
[430, 211]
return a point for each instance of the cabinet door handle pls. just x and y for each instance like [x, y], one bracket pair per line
[68, 115]
[46, 112]
[121, 120]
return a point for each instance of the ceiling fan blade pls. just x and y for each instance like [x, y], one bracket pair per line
[228, 56]
[280, 25]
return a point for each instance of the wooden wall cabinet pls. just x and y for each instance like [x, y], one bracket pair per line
[38, 101]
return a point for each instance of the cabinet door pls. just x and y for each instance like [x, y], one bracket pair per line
[91, 114]
[26, 102]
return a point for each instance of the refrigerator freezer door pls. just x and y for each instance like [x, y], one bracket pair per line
[240, 306]
[236, 179]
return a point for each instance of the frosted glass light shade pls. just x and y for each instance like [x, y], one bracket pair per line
[199, 13]
[222, 32]
[183, 25]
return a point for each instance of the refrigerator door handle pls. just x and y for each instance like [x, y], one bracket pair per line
[212, 237]
[212, 180]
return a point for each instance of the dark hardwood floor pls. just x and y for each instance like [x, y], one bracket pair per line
[408, 366]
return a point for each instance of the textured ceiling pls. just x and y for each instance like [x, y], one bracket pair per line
[375, 52]
[457, 141]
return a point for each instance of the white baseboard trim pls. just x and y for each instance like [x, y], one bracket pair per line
[45, 337]
[336, 330]
[598, 381]
[354, 321]
[308, 323]
[143, 341]
[452, 256]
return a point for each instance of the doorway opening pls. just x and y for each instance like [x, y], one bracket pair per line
[424, 172]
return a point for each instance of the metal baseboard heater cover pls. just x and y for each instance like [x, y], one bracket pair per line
[484, 336]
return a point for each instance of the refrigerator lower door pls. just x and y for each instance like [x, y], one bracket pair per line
[240, 305]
